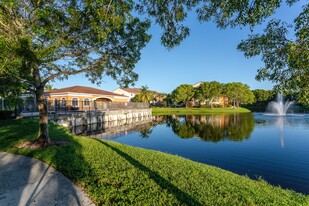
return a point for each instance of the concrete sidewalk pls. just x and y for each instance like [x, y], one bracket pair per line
[28, 181]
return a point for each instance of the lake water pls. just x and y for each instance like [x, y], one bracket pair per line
[275, 149]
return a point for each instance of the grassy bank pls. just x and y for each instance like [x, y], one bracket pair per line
[116, 174]
[197, 111]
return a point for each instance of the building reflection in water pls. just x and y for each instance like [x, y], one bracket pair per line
[114, 129]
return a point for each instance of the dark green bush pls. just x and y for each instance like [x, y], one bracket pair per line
[6, 114]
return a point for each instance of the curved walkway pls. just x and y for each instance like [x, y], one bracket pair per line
[28, 181]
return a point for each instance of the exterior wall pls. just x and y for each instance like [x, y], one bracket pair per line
[123, 92]
[197, 84]
[119, 117]
[81, 99]
[117, 99]
[224, 101]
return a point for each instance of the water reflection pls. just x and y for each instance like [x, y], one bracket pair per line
[214, 128]
[114, 129]
[281, 122]
[247, 144]
[145, 130]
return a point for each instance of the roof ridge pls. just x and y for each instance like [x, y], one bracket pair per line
[83, 89]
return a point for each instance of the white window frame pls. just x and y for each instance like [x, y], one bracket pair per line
[56, 102]
[63, 102]
[75, 100]
[86, 100]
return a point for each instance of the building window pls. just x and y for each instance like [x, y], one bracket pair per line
[95, 104]
[74, 102]
[86, 102]
[55, 102]
[63, 102]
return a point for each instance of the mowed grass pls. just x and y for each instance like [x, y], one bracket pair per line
[197, 111]
[116, 174]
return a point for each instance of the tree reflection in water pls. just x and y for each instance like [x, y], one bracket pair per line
[145, 130]
[214, 128]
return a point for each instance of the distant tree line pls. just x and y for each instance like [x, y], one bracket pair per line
[213, 94]
[207, 94]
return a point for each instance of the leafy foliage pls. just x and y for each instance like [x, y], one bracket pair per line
[46, 40]
[144, 96]
[286, 60]
[5, 114]
[197, 111]
[183, 93]
[171, 14]
[238, 93]
[10, 89]
[263, 95]
[57, 39]
[209, 91]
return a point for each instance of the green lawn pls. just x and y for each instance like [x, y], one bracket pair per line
[197, 111]
[116, 174]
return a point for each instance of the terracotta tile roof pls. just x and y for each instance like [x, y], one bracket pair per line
[82, 89]
[132, 90]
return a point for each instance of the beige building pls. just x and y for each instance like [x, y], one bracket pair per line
[197, 84]
[130, 92]
[81, 97]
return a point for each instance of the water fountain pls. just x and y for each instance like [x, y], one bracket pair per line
[279, 107]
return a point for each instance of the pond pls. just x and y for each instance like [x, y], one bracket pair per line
[275, 149]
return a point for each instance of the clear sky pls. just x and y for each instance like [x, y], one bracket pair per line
[208, 54]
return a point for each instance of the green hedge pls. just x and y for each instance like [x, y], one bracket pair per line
[6, 114]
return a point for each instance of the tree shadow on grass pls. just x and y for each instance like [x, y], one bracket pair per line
[181, 196]
[26, 180]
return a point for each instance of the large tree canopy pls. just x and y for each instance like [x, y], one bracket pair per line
[263, 96]
[209, 91]
[183, 93]
[43, 40]
[238, 93]
[171, 14]
[59, 38]
[286, 59]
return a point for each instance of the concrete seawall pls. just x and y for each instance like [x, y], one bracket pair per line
[114, 117]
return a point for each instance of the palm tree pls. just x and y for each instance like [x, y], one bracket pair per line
[145, 95]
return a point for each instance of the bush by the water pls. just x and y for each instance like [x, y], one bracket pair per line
[6, 114]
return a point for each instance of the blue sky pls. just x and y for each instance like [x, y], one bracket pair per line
[208, 54]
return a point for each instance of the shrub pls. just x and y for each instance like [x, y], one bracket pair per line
[6, 114]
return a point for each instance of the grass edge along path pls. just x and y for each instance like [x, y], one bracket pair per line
[196, 111]
[117, 174]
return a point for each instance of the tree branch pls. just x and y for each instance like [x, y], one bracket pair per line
[72, 72]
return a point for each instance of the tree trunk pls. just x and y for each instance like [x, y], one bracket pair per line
[43, 117]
